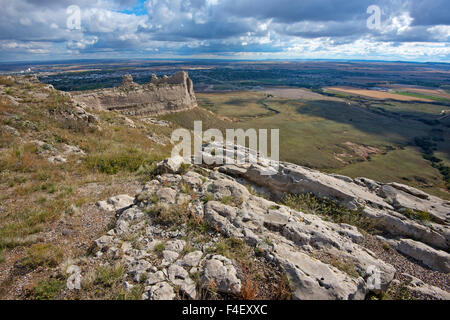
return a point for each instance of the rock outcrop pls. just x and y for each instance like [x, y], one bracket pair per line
[391, 206]
[295, 241]
[160, 96]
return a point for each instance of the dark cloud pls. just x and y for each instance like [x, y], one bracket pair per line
[190, 27]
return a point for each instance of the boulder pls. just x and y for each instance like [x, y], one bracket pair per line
[220, 274]
[420, 287]
[115, 203]
[161, 291]
[435, 259]
[170, 165]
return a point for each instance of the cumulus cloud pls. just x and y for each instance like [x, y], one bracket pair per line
[409, 29]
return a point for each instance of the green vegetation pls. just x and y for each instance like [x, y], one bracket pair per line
[42, 254]
[236, 249]
[418, 215]
[159, 248]
[402, 165]
[231, 200]
[107, 276]
[48, 289]
[35, 193]
[134, 293]
[106, 282]
[346, 266]
[428, 146]
[423, 96]
[129, 160]
[169, 214]
[366, 138]
[328, 209]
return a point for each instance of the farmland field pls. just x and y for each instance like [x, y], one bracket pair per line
[381, 95]
[375, 139]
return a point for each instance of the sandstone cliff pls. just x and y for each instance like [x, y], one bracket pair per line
[160, 96]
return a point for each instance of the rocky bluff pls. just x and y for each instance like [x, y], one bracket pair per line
[160, 96]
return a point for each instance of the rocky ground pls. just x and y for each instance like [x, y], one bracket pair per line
[201, 234]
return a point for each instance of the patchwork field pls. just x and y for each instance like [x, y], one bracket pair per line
[375, 94]
[374, 140]
[425, 91]
[298, 93]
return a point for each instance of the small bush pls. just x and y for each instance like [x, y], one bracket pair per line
[329, 209]
[134, 293]
[47, 289]
[185, 188]
[169, 215]
[184, 167]
[6, 82]
[148, 170]
[231, 201]
[108, 275]
[284, 289]
[159, 248]
[130, 160]
[418, 215]
[207, 197]
[42, 254]
[236, 249]
[249, 289]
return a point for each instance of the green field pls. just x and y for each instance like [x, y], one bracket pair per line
[423, 96]
[373, 139]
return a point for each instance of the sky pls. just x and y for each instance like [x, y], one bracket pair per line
[407, 30]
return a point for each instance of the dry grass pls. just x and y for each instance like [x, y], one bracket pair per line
[249, 289]
[36, 194]
[284, 289]
[298, 93]
[42, 254]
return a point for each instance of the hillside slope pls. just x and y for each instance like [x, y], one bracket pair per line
[88, 211]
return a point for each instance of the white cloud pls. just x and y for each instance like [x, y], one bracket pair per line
[223, 27]
[440, 32]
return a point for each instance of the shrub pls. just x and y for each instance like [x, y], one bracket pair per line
[42, 254]
[249, 289]
[108, 275]
[232, 201]
[160, 247]
[169, 215]
[418, 215]
[6, 82]
[47, 289]
[330, 209]
[130, 160]
[284, 289]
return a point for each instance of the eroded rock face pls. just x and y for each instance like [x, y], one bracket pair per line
[160, 96]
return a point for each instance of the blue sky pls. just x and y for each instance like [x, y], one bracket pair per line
[410, 30]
